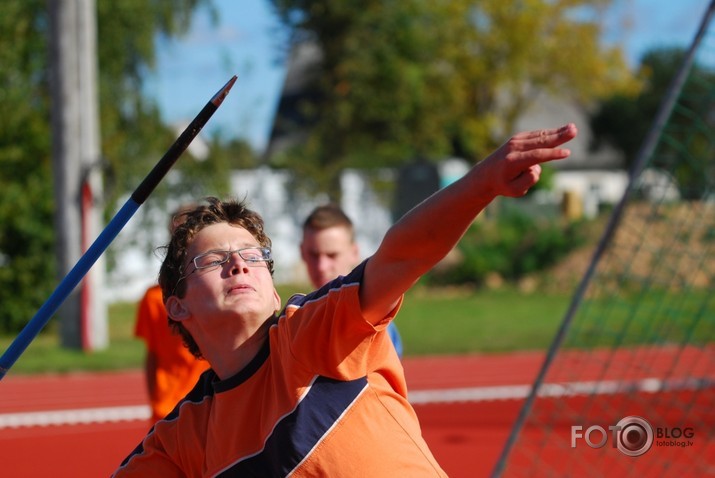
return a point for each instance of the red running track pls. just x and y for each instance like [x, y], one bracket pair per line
[466, 437]
[466, 405]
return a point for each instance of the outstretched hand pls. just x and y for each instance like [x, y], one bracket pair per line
[515, 166]
[426, 234]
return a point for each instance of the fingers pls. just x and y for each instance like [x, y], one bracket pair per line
[536, 147]
[528, 150]
[553, 136]
[520, 162]
[516, 164]
[545, 138]
[521, 184]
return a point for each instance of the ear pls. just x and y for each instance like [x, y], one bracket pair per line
[277, 300]
[176, 309]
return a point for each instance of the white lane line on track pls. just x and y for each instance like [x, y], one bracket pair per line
[416, 397]
[557, 390]
[81, 416]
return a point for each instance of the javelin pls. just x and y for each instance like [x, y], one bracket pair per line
[63, 290]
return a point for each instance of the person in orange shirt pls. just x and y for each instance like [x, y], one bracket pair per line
[170, 369]
[312, 388]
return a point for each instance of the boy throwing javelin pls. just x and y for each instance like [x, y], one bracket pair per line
[316, 390]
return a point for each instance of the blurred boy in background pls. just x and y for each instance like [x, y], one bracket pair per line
[329, 250]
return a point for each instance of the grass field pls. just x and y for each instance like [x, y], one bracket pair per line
[430, 322]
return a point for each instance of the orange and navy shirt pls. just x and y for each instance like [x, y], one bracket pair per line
[325, 396]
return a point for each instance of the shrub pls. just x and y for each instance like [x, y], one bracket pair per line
[512, 245]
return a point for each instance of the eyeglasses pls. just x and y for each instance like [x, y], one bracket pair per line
[253, 256]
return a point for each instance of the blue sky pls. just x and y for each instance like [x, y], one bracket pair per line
[246, 39]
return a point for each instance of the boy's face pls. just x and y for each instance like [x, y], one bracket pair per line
[328, 253]
[234, 289]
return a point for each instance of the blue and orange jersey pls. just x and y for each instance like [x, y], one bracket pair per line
[326, 396]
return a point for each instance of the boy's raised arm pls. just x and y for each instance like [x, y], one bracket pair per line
[425, 235]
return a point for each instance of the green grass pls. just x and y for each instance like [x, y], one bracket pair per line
[443, 322]
[652, 317]
[430, 321]
[45, 355]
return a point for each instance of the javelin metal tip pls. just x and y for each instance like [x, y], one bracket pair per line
[221, 94]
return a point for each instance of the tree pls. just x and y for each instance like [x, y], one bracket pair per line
[407, 79]
[133, 137]
[624, 121]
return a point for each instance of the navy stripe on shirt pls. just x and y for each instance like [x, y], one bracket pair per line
[296, 434]
[353, 278]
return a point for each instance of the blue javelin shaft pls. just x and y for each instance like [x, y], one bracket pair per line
[105, 238]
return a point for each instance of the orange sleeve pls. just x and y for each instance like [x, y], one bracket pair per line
[328, 333]
[149, 312]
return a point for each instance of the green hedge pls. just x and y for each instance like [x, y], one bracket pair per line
[512, 245]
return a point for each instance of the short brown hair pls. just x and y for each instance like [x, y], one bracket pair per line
[216, 211]
[328, 215]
